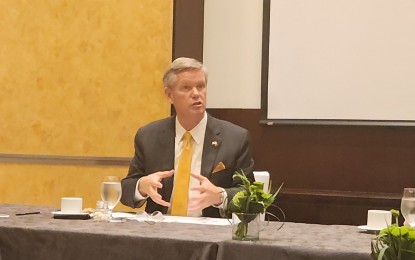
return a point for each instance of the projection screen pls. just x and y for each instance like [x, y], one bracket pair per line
[339, 62]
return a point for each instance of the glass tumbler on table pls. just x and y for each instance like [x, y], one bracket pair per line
[408, 206]
[111, 191]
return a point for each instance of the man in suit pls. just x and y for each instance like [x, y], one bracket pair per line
[218, 149]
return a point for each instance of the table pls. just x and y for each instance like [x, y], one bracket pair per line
[42, 237]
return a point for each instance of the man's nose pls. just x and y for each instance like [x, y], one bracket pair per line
[195, 92]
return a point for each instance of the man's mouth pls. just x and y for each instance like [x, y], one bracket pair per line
[197, 104]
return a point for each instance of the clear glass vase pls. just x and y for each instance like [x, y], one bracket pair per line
[245, 226]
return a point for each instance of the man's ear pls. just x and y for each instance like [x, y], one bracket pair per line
[167, 91]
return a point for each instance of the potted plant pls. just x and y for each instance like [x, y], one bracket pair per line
[246, 207]
[394, 242]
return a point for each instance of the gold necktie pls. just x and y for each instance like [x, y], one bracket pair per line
[182, 179]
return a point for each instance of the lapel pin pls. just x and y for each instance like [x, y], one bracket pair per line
[215, 144]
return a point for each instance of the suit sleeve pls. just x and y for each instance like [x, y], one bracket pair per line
[135, 172]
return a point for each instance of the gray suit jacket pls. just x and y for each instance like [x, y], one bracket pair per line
[154, 151]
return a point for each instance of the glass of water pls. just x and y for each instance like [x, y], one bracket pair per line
[111, 191]
[408, 205]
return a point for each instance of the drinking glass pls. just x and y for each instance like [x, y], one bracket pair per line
[111, 191]
[408, 205]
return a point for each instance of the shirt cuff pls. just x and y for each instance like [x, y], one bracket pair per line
[137, 195]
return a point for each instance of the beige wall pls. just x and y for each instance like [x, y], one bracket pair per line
[77, 78]
[46, 184]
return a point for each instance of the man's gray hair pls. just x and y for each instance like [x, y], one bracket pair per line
[180, 65]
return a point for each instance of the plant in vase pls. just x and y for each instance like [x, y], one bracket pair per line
[246, 206]
[394, 242]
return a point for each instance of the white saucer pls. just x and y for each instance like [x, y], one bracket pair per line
[366, 228]
[59, 213]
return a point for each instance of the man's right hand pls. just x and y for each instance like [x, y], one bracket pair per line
[149, 184]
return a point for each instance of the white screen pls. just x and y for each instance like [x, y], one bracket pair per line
[342, 59]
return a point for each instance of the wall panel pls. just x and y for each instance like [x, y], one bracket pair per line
[77, 78]
[46, 184]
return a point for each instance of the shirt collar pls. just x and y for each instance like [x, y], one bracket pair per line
[198, 132]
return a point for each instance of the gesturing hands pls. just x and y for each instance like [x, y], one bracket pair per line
[149, 184]
[209, 194]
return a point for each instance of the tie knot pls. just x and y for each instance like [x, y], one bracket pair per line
[187, 136]
[186, 140]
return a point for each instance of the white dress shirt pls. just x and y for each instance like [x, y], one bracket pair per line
[198, 138]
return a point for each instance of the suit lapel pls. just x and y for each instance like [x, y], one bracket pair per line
[166, 140]
[211, 146]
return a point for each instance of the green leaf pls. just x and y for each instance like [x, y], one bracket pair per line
[382, 252]
[238, 202]
[259, 185]
[269, 201]
[233, 208]
[256, 207]
[245, 182]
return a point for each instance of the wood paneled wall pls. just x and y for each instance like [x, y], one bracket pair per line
[331, 174]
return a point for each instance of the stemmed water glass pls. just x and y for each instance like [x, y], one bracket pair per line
[408, 205]
[111, 192]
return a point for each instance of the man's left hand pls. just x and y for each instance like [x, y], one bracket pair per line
[209, 194]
